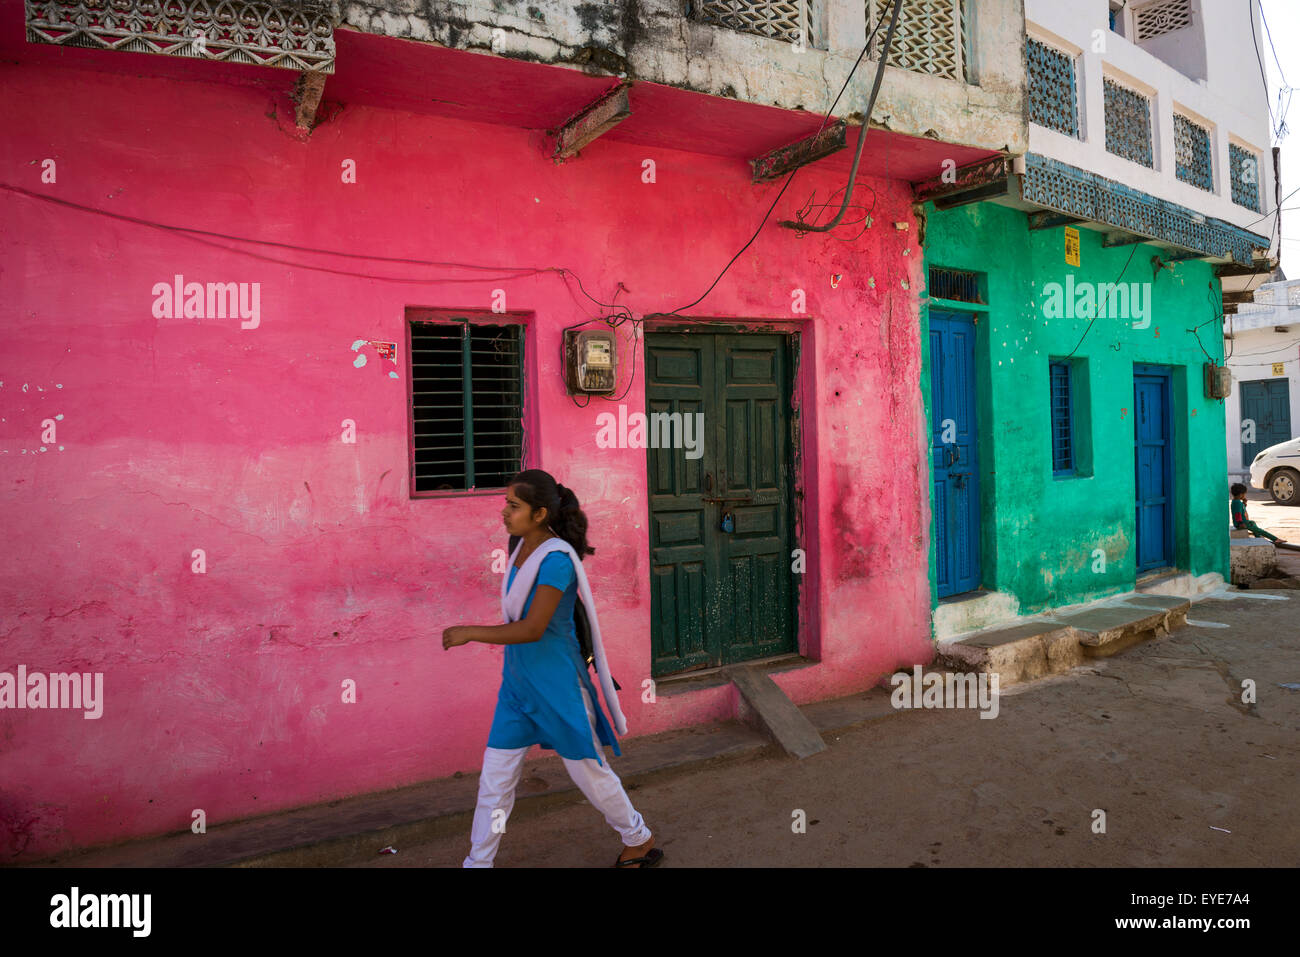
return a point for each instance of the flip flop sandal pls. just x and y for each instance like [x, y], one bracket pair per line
[652, 859]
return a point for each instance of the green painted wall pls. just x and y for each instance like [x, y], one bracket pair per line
[1040, 533]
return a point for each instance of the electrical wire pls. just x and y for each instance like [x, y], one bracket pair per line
[1263, 365]
[862, 134]
[1268, 352]
[1260, 59]
[1272, 212]
[499, 273]
[790, 177]
[267, 242]
[1274, 233]
[1269, 33]
[1097, 311]
[1285, 91]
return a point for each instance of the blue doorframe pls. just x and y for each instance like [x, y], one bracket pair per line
[1153, 455]
[954, 442]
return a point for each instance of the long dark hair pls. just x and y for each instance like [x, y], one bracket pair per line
[564, 516]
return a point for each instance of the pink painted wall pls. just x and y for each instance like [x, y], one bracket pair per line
[223, 689]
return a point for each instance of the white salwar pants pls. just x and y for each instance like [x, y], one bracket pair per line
[502, 768]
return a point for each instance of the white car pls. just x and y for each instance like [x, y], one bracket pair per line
[1276, 470]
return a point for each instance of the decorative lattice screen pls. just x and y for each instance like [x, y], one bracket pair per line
[1053, 91]
[787, 20]
[929, 37]
[1192, 153]
[1163, 16]
[1245, 176]
[1128, 124]
[294, 34]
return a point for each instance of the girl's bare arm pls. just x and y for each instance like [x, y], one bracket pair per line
[529, 628]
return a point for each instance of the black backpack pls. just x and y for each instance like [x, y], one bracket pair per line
[580, 623]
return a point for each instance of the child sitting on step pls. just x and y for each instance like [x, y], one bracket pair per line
[1240, 519]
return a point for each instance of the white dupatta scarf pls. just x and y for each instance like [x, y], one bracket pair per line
[512, 608]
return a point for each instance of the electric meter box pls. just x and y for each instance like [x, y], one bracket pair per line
[1218, 381]
[590, 362]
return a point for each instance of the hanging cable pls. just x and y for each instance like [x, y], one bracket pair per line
[862, 134]
[1109, 296]
[789, 178]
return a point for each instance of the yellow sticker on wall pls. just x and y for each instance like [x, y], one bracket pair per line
[1071, 245]
[1279, 368]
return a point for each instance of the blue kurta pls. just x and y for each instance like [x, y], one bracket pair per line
[540, 701]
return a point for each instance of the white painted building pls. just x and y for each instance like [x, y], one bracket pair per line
[1263, 351]
[1164, 98]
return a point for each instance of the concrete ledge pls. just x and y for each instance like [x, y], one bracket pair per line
[326, 835]
[1051, 645]
[331, 834]
[1017, 653]
[1251, 559]
[1175, 608]
[1107, 624]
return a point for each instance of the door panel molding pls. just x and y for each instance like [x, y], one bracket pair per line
[718, 596]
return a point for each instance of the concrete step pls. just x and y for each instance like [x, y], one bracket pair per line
[1016, 653]
[1063, 641]
[768, 708]
[1107, 629]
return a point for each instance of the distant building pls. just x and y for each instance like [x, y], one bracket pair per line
[1262, 342]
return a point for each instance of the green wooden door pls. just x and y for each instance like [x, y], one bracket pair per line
[720, 596]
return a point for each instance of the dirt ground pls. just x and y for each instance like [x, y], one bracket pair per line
[1157, 737]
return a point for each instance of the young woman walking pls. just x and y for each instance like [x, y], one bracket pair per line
[547, 696]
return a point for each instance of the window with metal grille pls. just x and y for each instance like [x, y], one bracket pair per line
[955, 284]
[1192, 153]
[1062, 419]
[1128, 124]
[1053, 90]
[786, 20]
[1161, 17]
[1245, 176]
[466, 404]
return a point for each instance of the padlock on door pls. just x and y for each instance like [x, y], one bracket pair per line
[728, 523]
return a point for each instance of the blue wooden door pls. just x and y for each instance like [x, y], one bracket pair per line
[953, 452]
[1266, 403]
[1153, 455]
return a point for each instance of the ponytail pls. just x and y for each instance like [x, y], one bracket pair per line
[564, 513]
